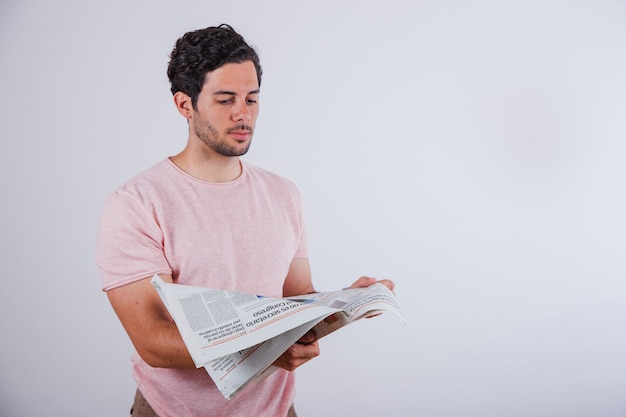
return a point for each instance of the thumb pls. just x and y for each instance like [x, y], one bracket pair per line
[363, 282]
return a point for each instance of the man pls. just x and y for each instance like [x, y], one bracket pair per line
[205, 218]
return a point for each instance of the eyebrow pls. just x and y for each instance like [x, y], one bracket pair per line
[232, 93]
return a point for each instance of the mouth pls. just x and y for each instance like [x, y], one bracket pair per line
[241, 133]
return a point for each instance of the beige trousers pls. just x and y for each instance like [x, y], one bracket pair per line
[141, 408]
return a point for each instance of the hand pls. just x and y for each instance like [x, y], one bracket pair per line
[367, 281]
[364, 282]
[301, 352]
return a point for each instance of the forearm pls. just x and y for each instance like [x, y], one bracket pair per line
[149, 325]
[298, 280]
[164, 348]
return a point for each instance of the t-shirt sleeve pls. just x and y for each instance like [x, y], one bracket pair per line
[303, 249]
[129, 245]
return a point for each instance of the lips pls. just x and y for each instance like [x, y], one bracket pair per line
[241, 133]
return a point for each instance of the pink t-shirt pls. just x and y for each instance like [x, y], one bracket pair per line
[241, 235]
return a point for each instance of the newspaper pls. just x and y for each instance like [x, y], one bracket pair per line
[237, 336]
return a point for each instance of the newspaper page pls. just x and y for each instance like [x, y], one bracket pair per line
[214, 323]
[233, 372]
[236, 336]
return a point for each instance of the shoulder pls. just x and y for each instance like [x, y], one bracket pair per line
[153, 177]
[151, 180]
[143, 188]
[268, 178]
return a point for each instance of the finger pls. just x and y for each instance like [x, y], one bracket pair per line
[308, 338]
[363, 282]
[297, 355]
[388, 283]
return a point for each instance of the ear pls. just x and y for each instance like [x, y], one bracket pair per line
[183, 104]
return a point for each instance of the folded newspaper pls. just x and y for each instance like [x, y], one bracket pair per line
[237, 336]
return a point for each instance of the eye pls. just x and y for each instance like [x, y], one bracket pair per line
[252, 99]
[225, 101]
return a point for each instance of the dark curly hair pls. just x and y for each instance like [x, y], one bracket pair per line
[201, 51]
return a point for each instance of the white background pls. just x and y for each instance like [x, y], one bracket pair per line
[473, 151]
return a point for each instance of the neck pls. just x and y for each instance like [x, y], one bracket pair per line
[209, 169]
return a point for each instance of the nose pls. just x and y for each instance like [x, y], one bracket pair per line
[241, 112]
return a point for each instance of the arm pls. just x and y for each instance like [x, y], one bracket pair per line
[149, 325]
[298, 282]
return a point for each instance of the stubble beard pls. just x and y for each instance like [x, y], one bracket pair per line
[209, 135]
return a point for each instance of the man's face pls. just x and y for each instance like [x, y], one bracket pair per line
[227, 109]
